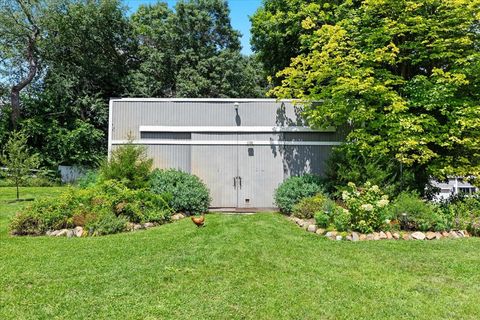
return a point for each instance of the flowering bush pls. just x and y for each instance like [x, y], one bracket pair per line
[367, 207]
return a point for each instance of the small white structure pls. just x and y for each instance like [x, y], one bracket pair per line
[454, 186]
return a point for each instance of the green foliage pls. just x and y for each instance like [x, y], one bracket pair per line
[90, 179]
[322, 219]
[293, 189]
[403, 75]
[128, 164]
[18, 160]
[367, 207]
[342, 219]
[280, 26]
[103, 208]
[191, 51]
[189, 193]
[306, 208]
[413, 213]
[463, 212]
[107, 223]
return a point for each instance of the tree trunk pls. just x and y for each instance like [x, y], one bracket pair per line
[32, 69]
[15, 102]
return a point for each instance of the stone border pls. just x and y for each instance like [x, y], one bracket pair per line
[81, 232]
[310, 226]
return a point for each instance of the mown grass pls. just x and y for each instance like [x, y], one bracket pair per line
[237, 267]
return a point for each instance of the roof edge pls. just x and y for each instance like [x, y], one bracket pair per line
[201, 100]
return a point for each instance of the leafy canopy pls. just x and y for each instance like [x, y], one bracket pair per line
[404, 76]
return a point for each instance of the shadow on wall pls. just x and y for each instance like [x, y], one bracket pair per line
[298, 160]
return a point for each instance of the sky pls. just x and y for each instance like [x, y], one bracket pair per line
[240, 10]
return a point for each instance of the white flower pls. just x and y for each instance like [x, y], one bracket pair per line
[375, 188]
[384, 197]
[382, 203]
[366, 207]
[345, 195]
[387, 221]
[351, 185]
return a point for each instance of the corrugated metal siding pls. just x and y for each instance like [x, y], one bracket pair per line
[170, 156]
[129, 115]
[261, 167]
[217, 167]
[299, 160]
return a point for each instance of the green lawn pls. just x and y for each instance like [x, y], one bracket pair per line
[237, 267]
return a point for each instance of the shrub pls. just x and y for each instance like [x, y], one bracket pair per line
[188, 193]
[293, 189]
[96, 208]
[322, 219]
[367, 207]
[130, 165]
[90, 179]
[107, 223]
[413, 213]
[463, 211]
[307, 207]
[341, 219]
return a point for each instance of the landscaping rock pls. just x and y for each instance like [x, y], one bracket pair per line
[370, 237]
[338, 238]
[331, 234]
[312, 228]
[78, 232]
[418, 235]
[438, 235]
[348, 238]
[430, 235]
[137, 227]
[178, 216]
[466, 234]
[382, 235]
[148, 225]
[445, 234]
[406, 236]
[48, 233]
[363, 237]
[355, 236]
[460, 234]
[320, 231]
[389, 235]
[396, 236]
[453, 235]
[376, 236]
[70, 234]
[62, 233]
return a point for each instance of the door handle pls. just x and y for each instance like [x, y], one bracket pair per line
[235, 182]
[240, 182]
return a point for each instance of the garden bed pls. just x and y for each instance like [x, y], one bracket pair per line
[310, 226]
[84, 232]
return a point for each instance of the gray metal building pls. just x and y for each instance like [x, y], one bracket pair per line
[241, 148]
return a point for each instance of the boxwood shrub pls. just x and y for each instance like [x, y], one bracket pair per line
[189, 193]
[293, 189]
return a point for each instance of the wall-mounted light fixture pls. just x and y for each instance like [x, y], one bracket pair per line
[236, 104]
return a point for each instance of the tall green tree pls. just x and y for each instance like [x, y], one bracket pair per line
[21, 31]
[86, 53]
[280, 26]
[191, 51]
[404, 75]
